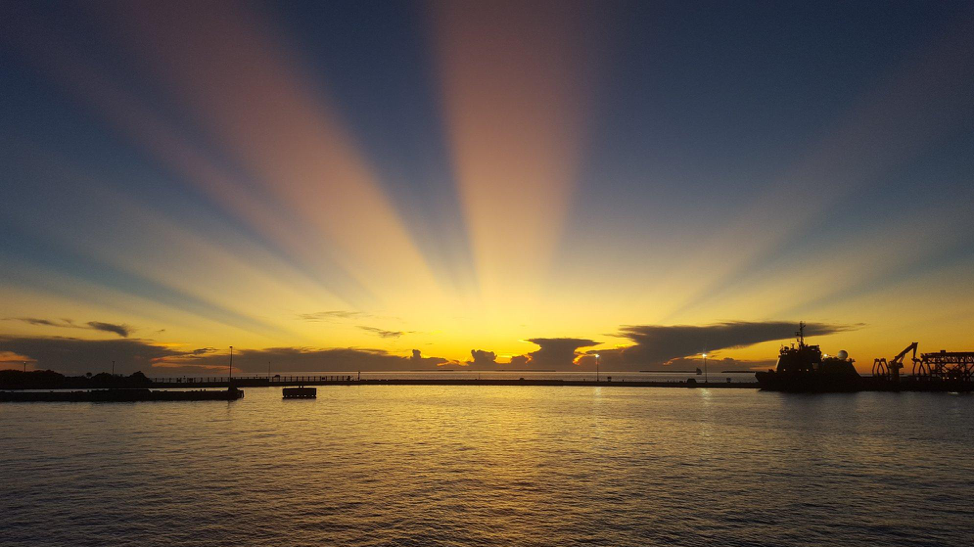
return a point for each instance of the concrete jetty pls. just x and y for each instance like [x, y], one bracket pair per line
[345, 380]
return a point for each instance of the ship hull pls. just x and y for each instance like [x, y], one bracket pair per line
[809, 382]
[822, 383]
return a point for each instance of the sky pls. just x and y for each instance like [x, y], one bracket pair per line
[412, 185]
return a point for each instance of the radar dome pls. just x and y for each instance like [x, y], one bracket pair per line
[843, 354]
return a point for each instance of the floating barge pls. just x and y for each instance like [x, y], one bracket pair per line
[300, 393]
[118, 396]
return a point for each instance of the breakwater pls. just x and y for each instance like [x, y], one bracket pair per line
[118, 396]
[47, 380]
[288, 381]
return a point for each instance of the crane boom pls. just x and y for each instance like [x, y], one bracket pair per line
[896, 364]
[900, 355]
[890, 370]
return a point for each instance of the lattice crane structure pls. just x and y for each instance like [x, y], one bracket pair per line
[955, 366]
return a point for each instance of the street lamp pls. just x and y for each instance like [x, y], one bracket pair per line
[597, 356]
[706, 376]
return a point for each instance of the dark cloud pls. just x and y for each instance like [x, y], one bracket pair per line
[656, 345]
[121, 330]
[331, 315]
[481, 359]
[39, 322]
[719, 364]
[555, 353]
[75, 356]
[586, 361]
[295, 359]
[202, 351]
[382, 333]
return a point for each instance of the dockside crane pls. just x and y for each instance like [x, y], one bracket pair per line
[890, 370]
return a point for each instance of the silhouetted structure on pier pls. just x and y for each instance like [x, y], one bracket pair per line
[945, 366]
[890, 371]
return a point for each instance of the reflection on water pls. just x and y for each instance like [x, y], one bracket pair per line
[449, 465]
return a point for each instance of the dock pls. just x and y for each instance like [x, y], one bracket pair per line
[299, 387]
[909, 383]
[300, 393]
[345, 380]
[118, 396]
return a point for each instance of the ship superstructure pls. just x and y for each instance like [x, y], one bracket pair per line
[803, 367]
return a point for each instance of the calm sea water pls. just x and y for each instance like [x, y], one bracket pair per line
[447, 465]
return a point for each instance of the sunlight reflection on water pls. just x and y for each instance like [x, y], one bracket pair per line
[463, 465]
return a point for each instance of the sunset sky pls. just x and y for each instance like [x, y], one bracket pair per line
[385, 185]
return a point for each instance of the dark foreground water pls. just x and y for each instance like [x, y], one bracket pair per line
[415, 465]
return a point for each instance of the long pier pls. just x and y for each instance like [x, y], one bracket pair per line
[910, 383]
[346, 380]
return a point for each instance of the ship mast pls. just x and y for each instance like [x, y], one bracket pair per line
[801, 334]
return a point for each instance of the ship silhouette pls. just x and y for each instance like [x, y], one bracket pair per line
[804, 368]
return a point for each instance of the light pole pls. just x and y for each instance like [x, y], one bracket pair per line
[597, 368]
[113, 367]
[706, 376]
[230, 368]
[268, 371]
